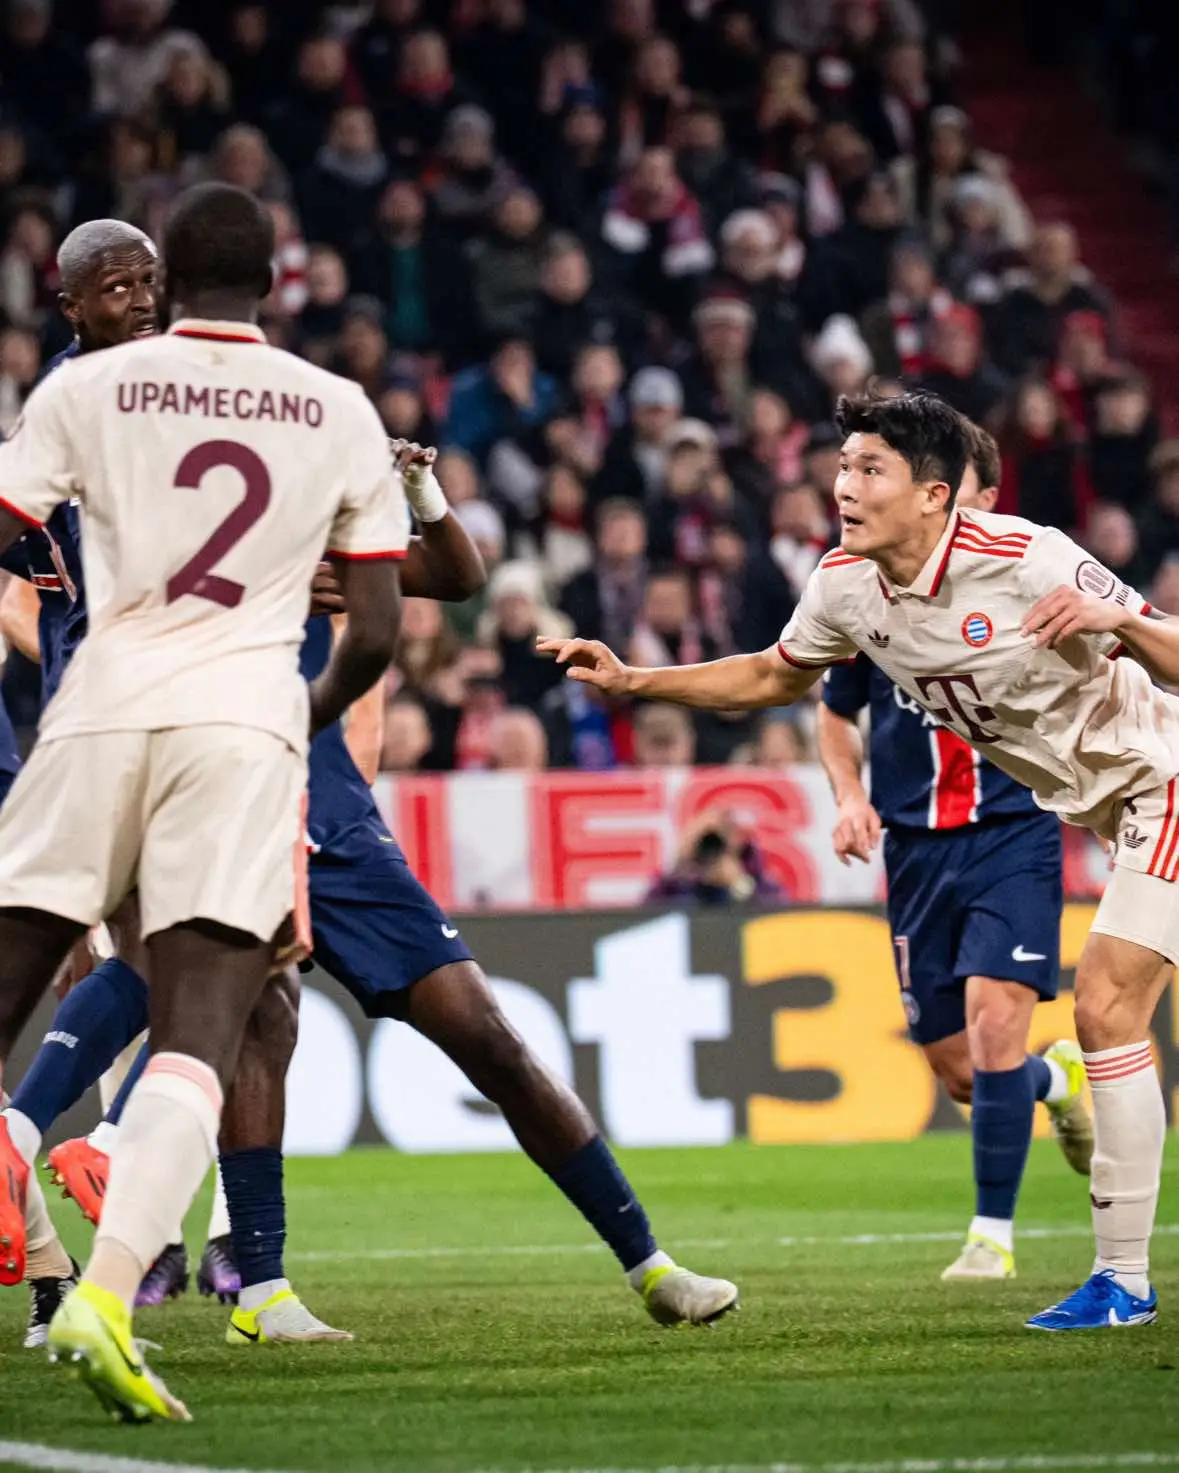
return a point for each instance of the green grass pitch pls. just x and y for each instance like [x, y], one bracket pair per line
[492, 1334]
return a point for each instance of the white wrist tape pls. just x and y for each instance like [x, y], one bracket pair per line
[425, 495]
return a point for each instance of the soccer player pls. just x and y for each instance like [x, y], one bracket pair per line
[381, 935]
[212, 472]
[109, 272]
[974, 902]
[1005, 632]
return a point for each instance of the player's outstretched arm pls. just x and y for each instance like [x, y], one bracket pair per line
[442, 563]
[1150, 636]
[737, 683]
[841, 751]
[371, 593]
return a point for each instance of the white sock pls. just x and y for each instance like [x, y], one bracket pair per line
[1058, 1089]
[103, 1137]
[999, 1230]
[24, 1136]
[253, 1296]
[46, 1256]
[636, 1275]
[1129, 1128]
[167, 1142]
[219, 1217]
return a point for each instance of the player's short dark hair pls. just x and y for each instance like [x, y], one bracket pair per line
[922, 429]
[984, 455]
[219, 239]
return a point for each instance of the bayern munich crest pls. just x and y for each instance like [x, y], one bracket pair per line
[977, 630]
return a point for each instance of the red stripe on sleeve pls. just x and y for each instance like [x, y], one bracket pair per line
[391, 556]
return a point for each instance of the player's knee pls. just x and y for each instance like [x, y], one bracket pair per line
[275, 1020]
[501, 1057]
[1097, 1010]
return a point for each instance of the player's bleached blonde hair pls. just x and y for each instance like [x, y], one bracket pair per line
[86, 245]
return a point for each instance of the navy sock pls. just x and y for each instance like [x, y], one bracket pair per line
[257, 1212]
[119, 1103]
[1041, 1076]
[91, 1028]
[1001, 1124]
[594, 1183]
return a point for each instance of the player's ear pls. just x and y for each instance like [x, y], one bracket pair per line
[70, 309]
[942, 494]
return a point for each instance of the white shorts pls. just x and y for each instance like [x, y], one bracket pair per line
[204, 820]
[1142, 908]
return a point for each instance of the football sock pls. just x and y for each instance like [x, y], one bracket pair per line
[132, 1077]
[46, 1258]
[167, 1142]
[219, 1216]
[95, 1022]
[594, 1183]
[1129, 1128]
[24, 1135]
[257, 1215]
[1002, 1108]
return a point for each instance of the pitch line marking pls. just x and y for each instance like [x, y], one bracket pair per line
[66, 1460]
[552, 1250]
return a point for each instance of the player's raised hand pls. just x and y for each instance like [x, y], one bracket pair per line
[858, 831]
[409, 454]
[1066, 611]
[591, 662]
[326, 597]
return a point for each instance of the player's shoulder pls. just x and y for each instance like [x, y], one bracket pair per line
[989, 534]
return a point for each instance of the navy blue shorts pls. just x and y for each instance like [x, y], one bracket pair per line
[377, 930]
[982, 901]
[6, 781]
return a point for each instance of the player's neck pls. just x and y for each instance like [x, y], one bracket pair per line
[902, 564]
[215, 307]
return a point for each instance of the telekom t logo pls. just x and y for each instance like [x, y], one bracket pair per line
[956, 712]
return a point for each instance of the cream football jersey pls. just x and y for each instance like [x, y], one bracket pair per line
[1084, 730]
[212, 473]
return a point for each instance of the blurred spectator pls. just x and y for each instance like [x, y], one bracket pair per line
[744, 597]
[485, 527]
[29, 279]
[559, 538]
[402, 406]
[473, 181]
[322, 317]
[242, 156]
[493, 403]
[1029, 317]
[721, 182]
[655, 230]
[771, 451]
[821, 458]
[897, 330]
[786, 115]
[717, 863]
[654, 98]
[338, 194]
[663, 736]
[977, 257]
[895, 110]
[841, 357]
[297, 122]
[505, 262]
[858, 257]
[1159, 523]
[1125, 432]
[289, 294]
[569, 311]
[114, 179]
[44, 73]
[376, 46]
[426, 647]
[190, 106]
[580, 171]
[800, 534]
[1044, 475]
[410, 266]
[20, 362]
[635, 464]
[1082, 364]
[517, 742]
[132, 58]
[254, 60]
[719, 379]
[1112, 537]
[424, 92]
[955, 367]
[629, 24]
[1164, 591]
[407, 736]
[668, 631]
[362, 349]
[932, 190]
[605, 600]
[517, 615]
[778, 742]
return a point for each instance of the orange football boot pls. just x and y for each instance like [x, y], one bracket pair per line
[14, 1186]
[80, 1170]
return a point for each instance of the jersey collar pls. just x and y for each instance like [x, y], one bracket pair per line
[218, 332]
[928, 582]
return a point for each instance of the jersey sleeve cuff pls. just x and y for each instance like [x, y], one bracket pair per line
[811, 664]
[384, 555]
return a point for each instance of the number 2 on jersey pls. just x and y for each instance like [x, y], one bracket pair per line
[197, 576]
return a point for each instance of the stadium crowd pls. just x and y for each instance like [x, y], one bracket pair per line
[616, 260]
